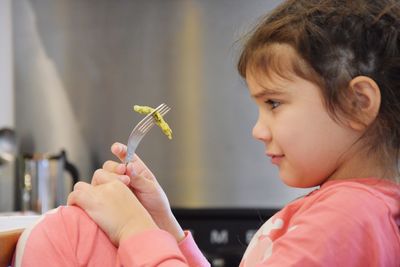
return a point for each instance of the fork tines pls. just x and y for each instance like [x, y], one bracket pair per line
[141, 129]
[150, 120]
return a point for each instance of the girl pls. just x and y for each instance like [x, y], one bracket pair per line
[325, 75]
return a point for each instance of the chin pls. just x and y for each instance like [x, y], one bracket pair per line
[299, 182]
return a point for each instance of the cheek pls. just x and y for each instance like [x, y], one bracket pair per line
[307, 128]
[312, 145]
[297, 143]
[294, 132]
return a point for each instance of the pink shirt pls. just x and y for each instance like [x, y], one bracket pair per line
[68, 237]
[344, 223]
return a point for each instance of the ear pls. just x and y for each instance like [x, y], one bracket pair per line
[366, 101]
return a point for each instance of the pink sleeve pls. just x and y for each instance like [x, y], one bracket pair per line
[346, 228]
[159, 248]
[191, 252]
[67, 236]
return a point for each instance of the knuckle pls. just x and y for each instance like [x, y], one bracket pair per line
[97, 172]
[108, 164]
[97, 176]
[78, 185]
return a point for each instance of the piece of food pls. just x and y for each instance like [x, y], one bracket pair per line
[157, 117]
[142, 109]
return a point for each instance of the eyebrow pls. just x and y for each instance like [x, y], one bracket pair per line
[267, 91]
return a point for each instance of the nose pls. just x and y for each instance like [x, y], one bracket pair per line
[261, 130]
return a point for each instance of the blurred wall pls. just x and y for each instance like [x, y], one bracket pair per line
[6, 66]
[80, 66]
[6, 103]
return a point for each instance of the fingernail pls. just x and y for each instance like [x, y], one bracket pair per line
[117, 148]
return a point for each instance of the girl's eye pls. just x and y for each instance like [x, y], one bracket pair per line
[272, 103]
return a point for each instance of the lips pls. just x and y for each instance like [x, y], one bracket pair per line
[275, 158]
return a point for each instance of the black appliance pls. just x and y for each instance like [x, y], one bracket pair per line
[223, 234]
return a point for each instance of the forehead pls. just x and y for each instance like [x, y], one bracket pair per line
[261, 85]
[280, 60]
[270, 69]
[276, 64]
[274, 58]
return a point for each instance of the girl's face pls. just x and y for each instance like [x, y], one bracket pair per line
[299, 136]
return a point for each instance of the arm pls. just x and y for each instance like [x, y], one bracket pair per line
[67, 236]
[129, 226]
[161, 251]
[146, 188]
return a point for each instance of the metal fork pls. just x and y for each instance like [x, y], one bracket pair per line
[141, 129]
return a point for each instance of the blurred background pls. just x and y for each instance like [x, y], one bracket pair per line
[70, 73]
[73, 69]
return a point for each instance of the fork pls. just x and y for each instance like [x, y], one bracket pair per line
[141, 129]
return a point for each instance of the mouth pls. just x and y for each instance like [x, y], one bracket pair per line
[275, 158]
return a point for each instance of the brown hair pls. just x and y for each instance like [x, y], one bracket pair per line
[335, 41]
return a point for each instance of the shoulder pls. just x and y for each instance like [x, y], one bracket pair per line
[349, 195]
[350, 208]
[343, 224]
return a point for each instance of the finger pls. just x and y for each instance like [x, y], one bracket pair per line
[81, 186]
[138, 168]
[119, 150]
[79, 198]
[116, 167]
[101, 176]
[140, 182]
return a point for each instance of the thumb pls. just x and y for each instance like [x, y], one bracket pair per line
[119, 150]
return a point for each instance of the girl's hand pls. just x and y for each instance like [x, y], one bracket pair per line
[112, 205]
[148, 191]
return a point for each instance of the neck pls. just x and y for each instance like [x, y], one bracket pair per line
[357, 163]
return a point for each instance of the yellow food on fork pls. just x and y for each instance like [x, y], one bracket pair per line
[157, 117]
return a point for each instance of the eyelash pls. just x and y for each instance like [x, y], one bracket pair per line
[274, 104]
